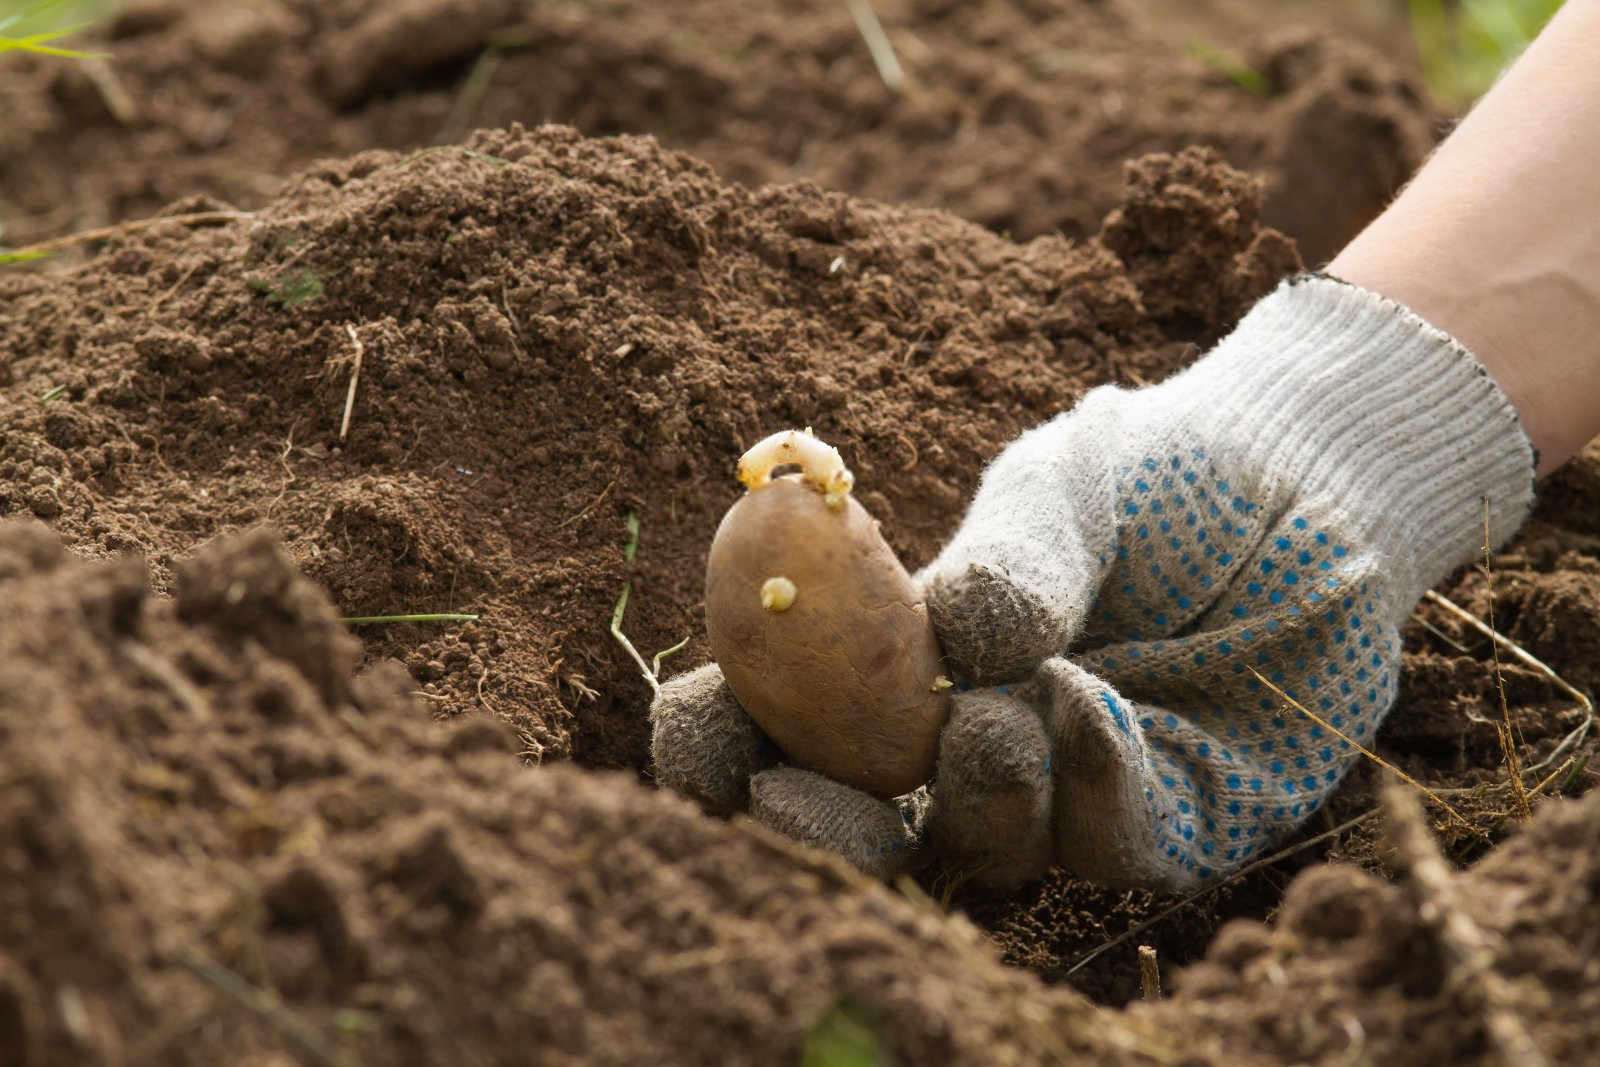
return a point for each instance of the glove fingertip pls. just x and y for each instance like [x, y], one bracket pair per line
[704, 744]
[993, 793]
[992, 627]
[815, 810]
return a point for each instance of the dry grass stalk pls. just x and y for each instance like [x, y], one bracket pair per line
[117, 99]
[1441, 635]
[469, 99]
[1578, 734]
[1166, 913]
[1503, 729]
[1371, 755]
[878, 45]
[564, 523]
[1149, 973]
[355, 376]
[105, 233]
[266, 1007]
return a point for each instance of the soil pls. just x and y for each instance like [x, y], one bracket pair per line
[1016, 115]
[443, 380]
[201, 797]
[555, 334]
[223, 843]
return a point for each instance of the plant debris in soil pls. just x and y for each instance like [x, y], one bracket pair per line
[233, 830]
[1016, 115]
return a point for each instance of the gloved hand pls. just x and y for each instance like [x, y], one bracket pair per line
[1279, 506]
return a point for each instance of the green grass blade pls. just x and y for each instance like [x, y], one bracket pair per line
[380, 620]
[37, 45]
[844, 1037]
[43, 15]
[632, 546]
[35, 10]
[1251, 81]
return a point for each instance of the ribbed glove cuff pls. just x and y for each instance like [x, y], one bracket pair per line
[1346, 397]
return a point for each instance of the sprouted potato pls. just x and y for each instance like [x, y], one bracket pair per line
[818, 629]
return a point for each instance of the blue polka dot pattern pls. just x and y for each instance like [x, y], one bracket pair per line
[1205, 588]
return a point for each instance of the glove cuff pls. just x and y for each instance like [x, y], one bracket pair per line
[1351, 399]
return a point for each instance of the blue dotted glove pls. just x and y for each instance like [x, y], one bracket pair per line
[1273, 512]
[1125, 573]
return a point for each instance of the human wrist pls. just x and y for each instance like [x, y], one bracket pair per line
[1496, 239]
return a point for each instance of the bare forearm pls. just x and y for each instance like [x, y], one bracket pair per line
[1497, 240]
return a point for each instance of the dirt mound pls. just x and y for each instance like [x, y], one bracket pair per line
[220, 843]
[1017, 115]
[1497, 965]
[554, 334]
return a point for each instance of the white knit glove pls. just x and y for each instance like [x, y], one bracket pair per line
[1278, 506]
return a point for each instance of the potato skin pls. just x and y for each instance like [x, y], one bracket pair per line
[842, 679]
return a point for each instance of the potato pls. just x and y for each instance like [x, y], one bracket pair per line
[818, 629]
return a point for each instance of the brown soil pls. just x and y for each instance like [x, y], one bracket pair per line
[554, 333]
[223, 845]
[557, 333]
[200, 801]
[1358, 970]
[1016, 115]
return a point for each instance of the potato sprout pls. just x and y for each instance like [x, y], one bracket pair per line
[820, 464]
[777, 593]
